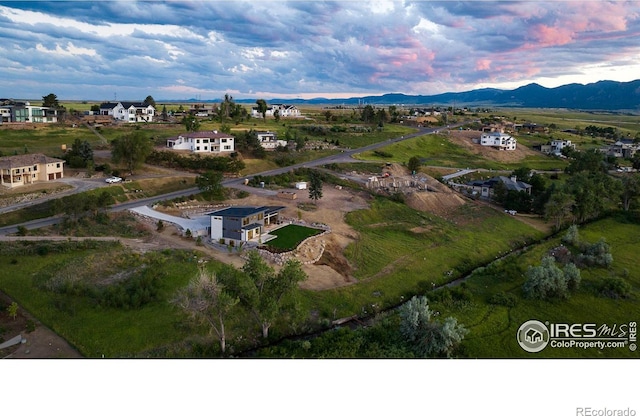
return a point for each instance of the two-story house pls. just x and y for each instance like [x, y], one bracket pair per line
[22, 170]
[130, 112]
[498, 140]
[555, 147]
[284, 110]
[269, 140]
[243, 223]
[203, 142]
[24, 112]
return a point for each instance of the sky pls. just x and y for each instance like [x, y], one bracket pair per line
[173, 50]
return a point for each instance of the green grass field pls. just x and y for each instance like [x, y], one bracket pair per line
[290, 236]
[437, 150]
[493, 328]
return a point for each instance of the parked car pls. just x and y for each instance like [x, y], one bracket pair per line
[113, 179]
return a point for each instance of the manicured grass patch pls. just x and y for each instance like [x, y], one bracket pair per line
[290, 236]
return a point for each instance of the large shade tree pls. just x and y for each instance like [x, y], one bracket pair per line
[131, 149]
[206, 301]
[265, 294]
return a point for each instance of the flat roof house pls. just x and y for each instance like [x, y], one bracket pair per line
[242, 223]
[27, 169]
[203, 142]
[269, 140]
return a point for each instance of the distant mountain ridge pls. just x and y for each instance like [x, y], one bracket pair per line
[601, 95]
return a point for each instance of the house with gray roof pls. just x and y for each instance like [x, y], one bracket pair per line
[22, 170]
[130, 112]
[242, 223]
[485, 188]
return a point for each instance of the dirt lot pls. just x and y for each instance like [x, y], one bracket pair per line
[464, 138]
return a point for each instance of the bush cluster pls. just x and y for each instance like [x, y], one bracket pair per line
[196, 163]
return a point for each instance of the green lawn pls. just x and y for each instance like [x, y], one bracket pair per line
[290, 236]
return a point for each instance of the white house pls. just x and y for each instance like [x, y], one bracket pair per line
[498, 140]
[203, 142]
[284, 110]
[130, 112]
[24, 112]
[269, 140]
[558, 145]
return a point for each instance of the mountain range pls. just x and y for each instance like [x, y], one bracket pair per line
[601, 95]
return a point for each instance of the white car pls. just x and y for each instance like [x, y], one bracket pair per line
[113, 179]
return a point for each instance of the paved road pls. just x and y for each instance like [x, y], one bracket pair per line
[237, 183]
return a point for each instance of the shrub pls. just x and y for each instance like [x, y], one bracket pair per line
[614, 287]
[572, 236]
[503, 299]
[545, 281]
[597, 254]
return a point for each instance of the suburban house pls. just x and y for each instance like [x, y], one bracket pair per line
[27, 169]
[624, 148]
[269, 140]
[203, 142]
[130, 112]
[283, 110]
[243, 223]
[485, 188]
[555, 147]
[24, 112]
[498, 140]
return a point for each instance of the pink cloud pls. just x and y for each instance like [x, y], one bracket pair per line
[551, 36]
[483, 64]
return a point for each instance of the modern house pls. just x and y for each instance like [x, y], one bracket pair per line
[243, 223]
[27, 169]
[485, 188]
[269, 140]
[203, 142]
[24, 112]
[624, 148]
[130, 112]
[498, 140]
[555, 147]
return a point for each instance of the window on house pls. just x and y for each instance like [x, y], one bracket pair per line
[57, 165]
[35, 168]
[227, 147]
[223, 140]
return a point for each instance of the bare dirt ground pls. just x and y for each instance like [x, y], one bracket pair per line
[464, 138]
[333, 270]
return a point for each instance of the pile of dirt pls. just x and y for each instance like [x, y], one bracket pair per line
[437, 202]
[464, 138]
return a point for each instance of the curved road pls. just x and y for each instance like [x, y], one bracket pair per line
[344, 157]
